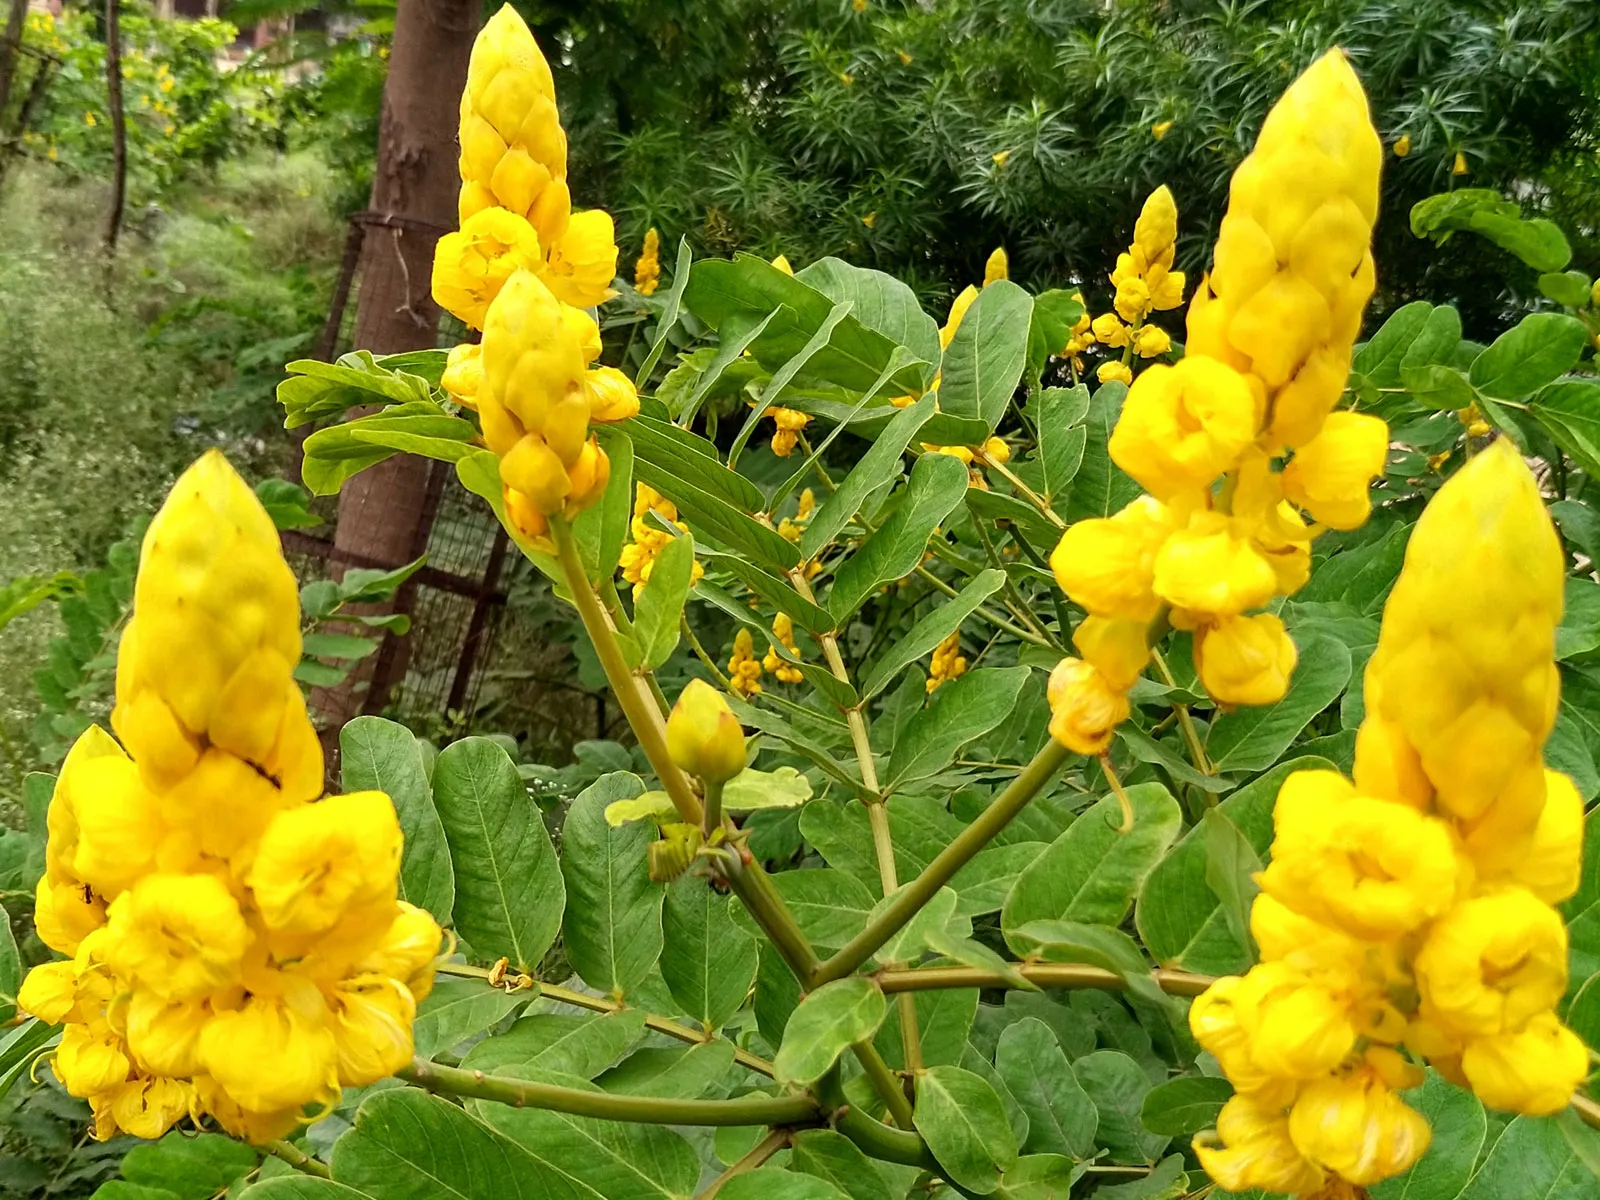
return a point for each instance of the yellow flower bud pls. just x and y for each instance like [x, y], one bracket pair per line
[1085, 709]
[1117, 648]
[472, 264]
[1459, 167]
[276, 1051]
[583, 261]
[89, 1061]
[958, 309]
[1183, 425]
[512, 143]
[1533, 1071]
[372, 1016]
[1331, 475]
[317, 863]
[1107, 564]
[612, 396]
[1552, 868]
[1151, 341]
[1109, 331]
[1245, 660]
[997, 266]
[997, 450]
[463, 373]
[790, 424]
[1372, 868]
[49, 992]
[1156, 231]
[1402, 145]
[1211, 568]
[1114, 372]
[1493, 962]
[703, 736]
[1160, 129]
[1356, 1127]
[180, 936]
[1256, 1150]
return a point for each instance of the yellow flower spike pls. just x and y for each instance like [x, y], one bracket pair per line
[1085, 709]
[958, 309]
[89, 1061]
[322, 861]
[164, 1036]
[790, 424]
[1115, 647]
[371, 1022]
[997, 267]
[704, 738]
[512, 143]
[1331, 475]
[1114, 372]
[1492, 963]
[1355, 1126]
[1210, 568]
[1533, 1071]
[1369, 867]
[1183, 425]
[1107, 564]
[1464, 668]
[472, 264]
[1256, 1151]
[583, 261]
[288, 1029]
[215, 636]
[1553, 866]
[180, 936]
[1245, 660]
[463, 374]
[948, 662]
[647, 270]
[1293, 267]
[49, 991]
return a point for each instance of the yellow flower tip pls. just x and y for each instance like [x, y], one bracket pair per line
[1331, 475]
[1459, 167]
[1534, 1071]
[1156, 230]
[1402, 145]
[703, 736]
[1183, 425]
[1085, 709]
[1245, 660]
[647, 269]
[1116, 647]
[1160, 129]
[859, 6]
[997, 267]
[1114, 372]
[782, 263]
[1107, 564]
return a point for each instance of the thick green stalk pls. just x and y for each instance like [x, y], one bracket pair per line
[754, 888]
[713, 813]
[643, 1110]
[298, 1158]
[910, 898]
[1046, 975]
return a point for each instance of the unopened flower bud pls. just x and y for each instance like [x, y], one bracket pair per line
[703, 736]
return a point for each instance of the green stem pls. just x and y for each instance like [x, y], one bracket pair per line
[910, 898]
[1191, 737]
[706, 660]
[298, 1158]
[645, 720]
[905, 1147]
[1032, 497]
[988, 615]
[643, 1110]
[713, 809]
[1059, 976]
[1017, 604]
[763, 1150]
[884, 1082]
[754, 889]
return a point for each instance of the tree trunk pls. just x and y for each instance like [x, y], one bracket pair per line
[9, 44]
[382, 511]
[119, 131]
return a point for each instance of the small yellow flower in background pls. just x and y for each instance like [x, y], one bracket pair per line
[1000, 157]
[774, 663]
[167, 84]
[169, 129]
[870, 219]
[89, 120]
[858, 5]
[998, 266]
[1151, 341]
[790, 424]
[1114, 372]
[744, 668]
[704, 738]
[1160, 129]
[849, 81]
[649, 538]
[905, 58]
[1472, 418]
[782, 263]
[1402, 145]
[948, 662]
[221, 919]
[1413, 907]
[790, 528]
[647, 270]
[1460, 165]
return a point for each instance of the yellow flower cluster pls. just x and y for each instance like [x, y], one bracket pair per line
[647, 270]
[234, 949]
[649, 539]
[775, 664]
[948, 662]
[1412, 908]
[1144, 281]
[744, 668]
[523, 267]
[1270, 334]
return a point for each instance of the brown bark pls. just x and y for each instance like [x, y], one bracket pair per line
[382, 511]
[119, 131]
[10, 41]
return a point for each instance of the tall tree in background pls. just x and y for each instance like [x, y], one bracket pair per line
[381, 511]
